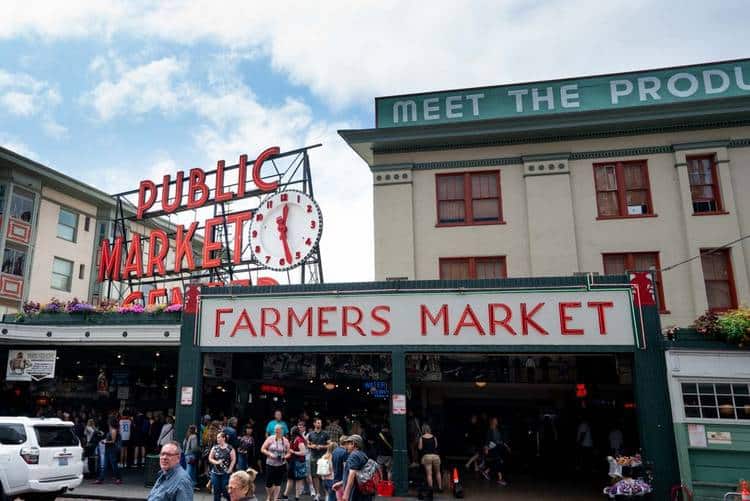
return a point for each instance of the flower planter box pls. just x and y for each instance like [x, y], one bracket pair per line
[94, 318]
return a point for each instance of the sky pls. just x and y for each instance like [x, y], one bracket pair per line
[114, 92]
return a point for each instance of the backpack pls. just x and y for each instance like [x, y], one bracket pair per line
[368, 478]
[324, 467]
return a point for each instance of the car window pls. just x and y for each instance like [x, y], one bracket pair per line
[12, 434]
[55, 436]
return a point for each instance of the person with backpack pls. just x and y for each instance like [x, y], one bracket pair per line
[361, 474]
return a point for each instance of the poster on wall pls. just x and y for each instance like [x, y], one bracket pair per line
[30, 365]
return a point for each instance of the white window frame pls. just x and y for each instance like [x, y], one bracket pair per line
[74, 227]
[70, 277]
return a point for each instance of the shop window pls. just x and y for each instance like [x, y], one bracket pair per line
[622, 189]
[62, 274]
[67, 224]
[626, 262]
[469, 198]
[468, 268]
[703, 400]
[21, 205]
[719, 280]
[704, 184]
[14, 261]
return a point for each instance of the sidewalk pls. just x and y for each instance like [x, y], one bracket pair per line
[133, 488]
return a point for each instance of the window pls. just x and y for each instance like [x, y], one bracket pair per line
[2, 198]
[81, 271]
[21, 205]
[718, 276]
[623, 263]
[62, 274]
[704, 184]
[12, 434]
[716, 400]
[469, 198]
[86, 223]
[56, 436]
[14, 261]
[622, 189]
[67, 224]
[465, 268]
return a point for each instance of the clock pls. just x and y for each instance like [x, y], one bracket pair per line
[285, 229]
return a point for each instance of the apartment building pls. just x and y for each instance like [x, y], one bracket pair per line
[637, 171]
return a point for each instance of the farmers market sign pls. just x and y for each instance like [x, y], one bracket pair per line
[606, 92]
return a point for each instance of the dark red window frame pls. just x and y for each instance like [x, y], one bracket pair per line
[714, 184]
[730, 278]
[629, 260]
[472, 265]
[621, 190]
[468, 199]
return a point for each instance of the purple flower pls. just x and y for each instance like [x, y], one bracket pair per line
[173, 308]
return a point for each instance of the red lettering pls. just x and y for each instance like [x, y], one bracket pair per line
[382, 321]
[110, 260]
[291, 316]
[426, 315]
[221, 195]
[272, 324]
[243, 282]
[145, 204]
[156, 256]
[238, 220]
[265, 155]
[354, 324]
[176, 296]
[322, 321]
[165, 205]
[505, 322]
[244, 323]
[600, 305]
[565, 318]
[527, 321]
[219, 321]
[242, 176]
[132, 298]
[134, 259]
[468, 319]
[154, 294]
[266, 281]
[197, 183]
[184, 247]
[209, 245]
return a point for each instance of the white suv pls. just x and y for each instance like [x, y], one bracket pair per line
[39, 458]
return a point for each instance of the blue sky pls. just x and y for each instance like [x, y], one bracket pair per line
[112, 92]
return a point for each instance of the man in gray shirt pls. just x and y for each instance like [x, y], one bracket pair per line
[173, 482]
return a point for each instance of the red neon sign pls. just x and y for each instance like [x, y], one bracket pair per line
[272, 389]
[191, 191]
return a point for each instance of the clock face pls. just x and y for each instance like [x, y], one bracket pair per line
[285, 230]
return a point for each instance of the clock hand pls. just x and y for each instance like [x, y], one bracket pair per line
[281, 226]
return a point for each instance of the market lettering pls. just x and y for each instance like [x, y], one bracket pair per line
[321, 321]
[435, 108]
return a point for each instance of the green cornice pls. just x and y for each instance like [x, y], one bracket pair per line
[701, 145]
[579, 155]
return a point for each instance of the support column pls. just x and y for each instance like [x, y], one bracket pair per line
[189, 374]
[655, 425]
[398, 425]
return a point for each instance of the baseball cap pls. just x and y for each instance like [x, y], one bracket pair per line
[356, 440]
[344, 439]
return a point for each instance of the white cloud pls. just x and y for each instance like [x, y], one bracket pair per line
[348, 52]
[54, 129]
[23, 95]
[14, 144]
[138, 90]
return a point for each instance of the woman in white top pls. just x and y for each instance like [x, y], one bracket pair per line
[167, 432]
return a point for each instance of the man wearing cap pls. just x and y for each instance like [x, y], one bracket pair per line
[356, 461]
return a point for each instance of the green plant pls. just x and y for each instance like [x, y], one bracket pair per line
[735, 326]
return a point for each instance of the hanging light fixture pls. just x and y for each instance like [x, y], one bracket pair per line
[329, 386]
[480, 384]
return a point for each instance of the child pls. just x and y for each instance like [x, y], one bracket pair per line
[325, 469]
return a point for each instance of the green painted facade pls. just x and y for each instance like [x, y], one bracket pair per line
[655, 424]
[574, 95]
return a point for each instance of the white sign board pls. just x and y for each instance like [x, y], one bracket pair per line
[719, 437]
[186, 395]
[697, 435]
[30, 365]
[399, 404]
[498, 318]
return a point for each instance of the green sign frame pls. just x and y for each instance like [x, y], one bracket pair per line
[702, 82]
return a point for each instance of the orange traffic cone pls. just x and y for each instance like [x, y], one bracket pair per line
[455, 475]
[744, 490]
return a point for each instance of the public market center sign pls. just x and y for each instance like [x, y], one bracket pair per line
[487, 318]
[605, 92]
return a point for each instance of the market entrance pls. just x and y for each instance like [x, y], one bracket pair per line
[559, 414]
[351, 387]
